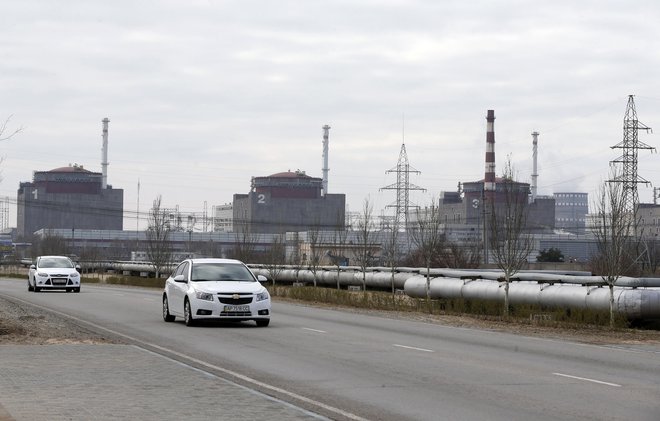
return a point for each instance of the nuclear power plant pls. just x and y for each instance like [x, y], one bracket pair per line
[70, 197]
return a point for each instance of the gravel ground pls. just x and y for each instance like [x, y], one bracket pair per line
[27, 325]
[23, 324]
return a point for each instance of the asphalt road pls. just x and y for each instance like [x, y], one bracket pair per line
[349, 366]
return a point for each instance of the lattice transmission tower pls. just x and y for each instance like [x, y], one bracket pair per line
[630, 146]
[403, 188]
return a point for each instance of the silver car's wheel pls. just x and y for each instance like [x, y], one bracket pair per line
[30, 286]
[187, 313]
[166, 310]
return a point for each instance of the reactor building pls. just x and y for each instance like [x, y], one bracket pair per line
[70, 197]
[289, 201]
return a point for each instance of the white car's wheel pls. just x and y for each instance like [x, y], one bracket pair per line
[263, 322]
[187, 313]
[166, 310]
[30, 286]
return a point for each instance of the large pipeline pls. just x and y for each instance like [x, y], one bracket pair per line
[633, 303]
[633, 297]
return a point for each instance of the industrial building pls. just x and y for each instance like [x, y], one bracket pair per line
[68, 197]
[475, 200]
[571, 209]
[288, 201]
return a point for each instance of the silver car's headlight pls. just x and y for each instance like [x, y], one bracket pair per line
[263, 296]
[207, 296]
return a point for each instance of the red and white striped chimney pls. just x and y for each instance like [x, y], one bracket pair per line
[489, 178]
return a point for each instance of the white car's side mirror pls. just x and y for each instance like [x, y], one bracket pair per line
[179, 278]
[262, 278]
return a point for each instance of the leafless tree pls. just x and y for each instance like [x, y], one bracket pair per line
[465, 256]
[296, 258]
[315, 250]
[276, 256]
[365, 234]
[245, 243]
[5, 134]
[50, 244]
[159, 248]
[427, 237]
[339, 239]
[391, 251]
[509, 243]
[614, 232]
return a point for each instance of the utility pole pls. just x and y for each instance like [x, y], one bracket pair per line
[403, 188]
[630, 146]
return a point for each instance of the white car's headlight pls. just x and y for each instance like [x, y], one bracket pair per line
[42, 274]
[207, 296]
[263, 296]
[74, 275]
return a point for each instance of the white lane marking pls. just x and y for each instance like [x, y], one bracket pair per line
[587, 379]
[413, 348]
[314, 330]
[237, 375]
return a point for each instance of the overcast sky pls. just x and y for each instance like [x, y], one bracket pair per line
[203, 95]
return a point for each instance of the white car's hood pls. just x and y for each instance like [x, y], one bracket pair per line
[57, 271]
[228, 287]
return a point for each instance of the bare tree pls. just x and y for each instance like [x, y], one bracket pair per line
[427, 237]
[614, 232]
[392, 251]
[465, 256]
[276, 256]
[339, 237]
[509, 243]
[245, 243]
[9, 134]
[315, 251]
[365, 233]
[159, 249]
[50, 244]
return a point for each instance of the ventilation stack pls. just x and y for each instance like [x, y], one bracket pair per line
[104, 154]
[489, 177]
[326, 134]
[535, 173]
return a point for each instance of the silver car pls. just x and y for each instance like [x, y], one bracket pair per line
[53, 272]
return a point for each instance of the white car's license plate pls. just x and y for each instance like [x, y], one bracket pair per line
[236, 308]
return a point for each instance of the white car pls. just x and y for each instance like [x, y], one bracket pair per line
[53, 272]
[220, 289]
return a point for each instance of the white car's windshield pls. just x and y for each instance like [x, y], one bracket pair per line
[54, 262]
[220, 272]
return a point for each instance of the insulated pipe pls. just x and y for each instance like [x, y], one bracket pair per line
[633, 303]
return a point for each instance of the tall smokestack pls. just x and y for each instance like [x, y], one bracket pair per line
[326, 134]
[104, 154]
[489, 177]
[535, 174]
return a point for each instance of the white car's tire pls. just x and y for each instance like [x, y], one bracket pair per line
[187, 313]
[166, 310]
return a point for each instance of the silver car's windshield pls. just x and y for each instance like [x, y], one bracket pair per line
[55, 262]
[221, 272]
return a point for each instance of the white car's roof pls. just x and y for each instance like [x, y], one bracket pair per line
[214, 260]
